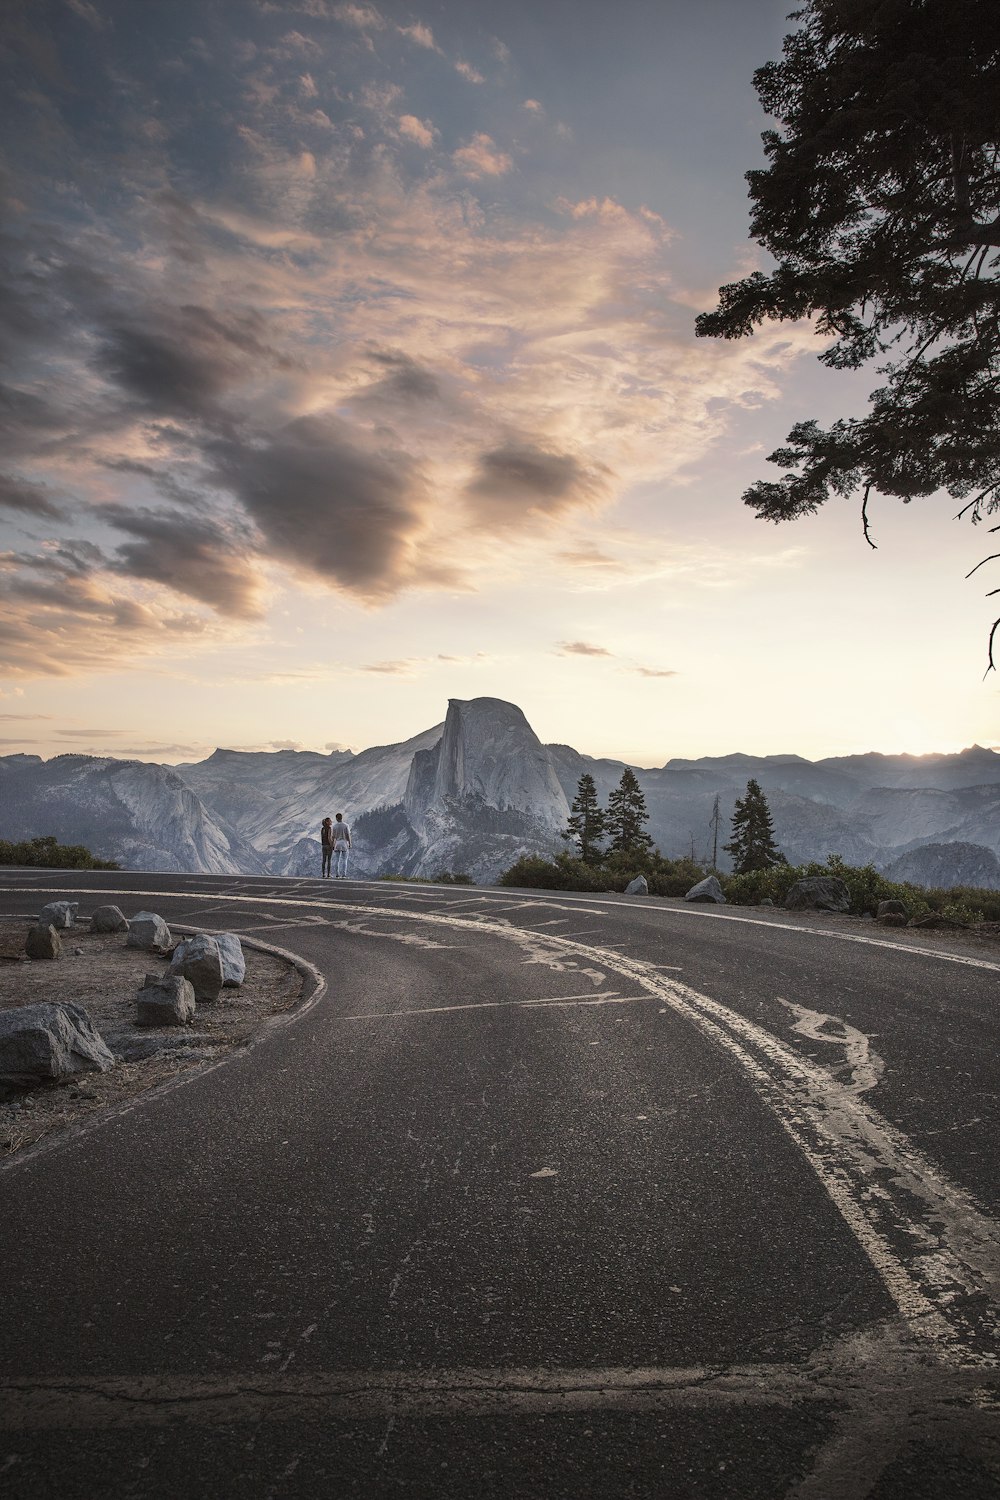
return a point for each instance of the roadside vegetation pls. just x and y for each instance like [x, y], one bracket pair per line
[48, 854]
[609, 848]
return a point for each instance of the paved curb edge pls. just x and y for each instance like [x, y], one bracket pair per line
[50, 1145]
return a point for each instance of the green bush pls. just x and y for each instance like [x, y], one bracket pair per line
[665, 877]
[47, 853]
[867, 887]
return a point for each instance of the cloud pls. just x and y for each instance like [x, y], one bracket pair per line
[363, 17]
[482, 157]
[468, 72]
[92, 734]
[582, 648]
[405, 381]
[182, 361]
[286, 745]
[332, 359]
[389, 668]
[653, 672]
[24, 495]
[329, 506]
[59, 620]
[533, 106]
[10, 718]
[416, 130]
[192, 555]
[420, 34]
[335, 745]
[90, 14]
[522, 477]
[586, 555]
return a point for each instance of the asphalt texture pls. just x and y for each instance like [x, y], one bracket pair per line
[536, 1195]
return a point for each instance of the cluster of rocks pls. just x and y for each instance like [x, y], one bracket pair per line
[54, 1041]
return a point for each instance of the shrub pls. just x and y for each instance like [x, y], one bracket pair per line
[47, 853]
[564, 873]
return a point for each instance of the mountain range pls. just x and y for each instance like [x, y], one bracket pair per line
[477, 791]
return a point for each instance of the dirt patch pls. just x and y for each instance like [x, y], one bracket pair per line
[104, 977]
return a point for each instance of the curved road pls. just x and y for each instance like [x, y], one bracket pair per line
[540, 1196]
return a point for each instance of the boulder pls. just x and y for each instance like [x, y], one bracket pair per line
[165, 1000]
[637, 887]
[58, 914]
[706, 890]
[43, 942]
[108, 919]
[147, 930]
[891, 908]
[819, 893]
[49, 1041]
[234, 965]
[891, 919]
[199, 960]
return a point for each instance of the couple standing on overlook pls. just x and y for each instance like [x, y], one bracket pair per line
[336, 840]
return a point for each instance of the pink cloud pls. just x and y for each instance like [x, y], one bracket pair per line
[482, 157]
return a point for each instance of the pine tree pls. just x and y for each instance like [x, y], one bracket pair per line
[626, 815]
[881, 206]
[586, 822]
[752, 845]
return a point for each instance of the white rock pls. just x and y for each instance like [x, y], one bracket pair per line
[637, 887]
[199, 960]
[43, 942]
[147, 930]
[58, 914]
[165, 1000]
[49, 1041]
[706, 890]
[108, 919]
[234, 966]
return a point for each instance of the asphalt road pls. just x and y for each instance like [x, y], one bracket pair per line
[537, 1196]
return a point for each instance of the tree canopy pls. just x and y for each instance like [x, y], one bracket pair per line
[881, 207]
[752, 844]
[627, 816]
[585, 825]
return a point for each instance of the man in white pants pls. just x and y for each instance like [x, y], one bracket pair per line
[341, 846]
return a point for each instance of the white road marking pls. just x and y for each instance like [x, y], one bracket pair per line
[610, 997]
[912, 951]
[866, 1067]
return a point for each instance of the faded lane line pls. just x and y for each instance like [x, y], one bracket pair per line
[865, 1065]
[876, 1367]
[610, 997]
[839, 937]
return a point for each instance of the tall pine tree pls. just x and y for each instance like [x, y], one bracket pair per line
[752, 845]
[585, 826]
[626, 817]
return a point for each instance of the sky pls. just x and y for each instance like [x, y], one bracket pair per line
[347, 365]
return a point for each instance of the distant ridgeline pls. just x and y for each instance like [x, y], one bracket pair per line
[479, 791]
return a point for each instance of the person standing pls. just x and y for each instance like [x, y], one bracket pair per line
[326, 839]
[341, 845]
